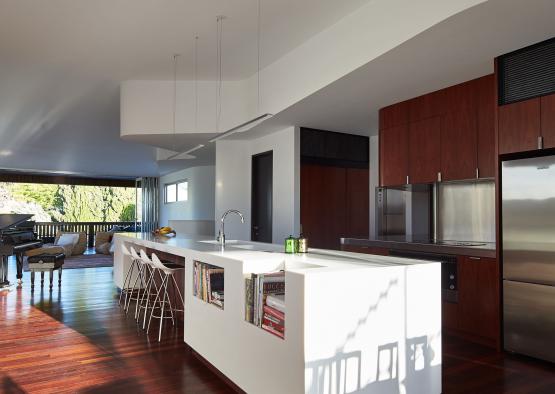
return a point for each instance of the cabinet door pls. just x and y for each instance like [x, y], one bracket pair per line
[323, 205]
[479, 302]
[394, 115]
[458, 145]
[394, 155]
[424, 150]
[519, 126]
[548, 120]
[458, 133]
[358, 201]
[427, 106]
[485, 124]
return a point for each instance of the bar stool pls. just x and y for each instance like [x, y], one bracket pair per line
[139, 279]
[147, 299]
[126, 288]
[162, 297]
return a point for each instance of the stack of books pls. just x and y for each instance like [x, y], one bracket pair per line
[265, 302]
[208, 283]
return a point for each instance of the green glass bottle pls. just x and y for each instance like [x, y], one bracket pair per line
[290, 244]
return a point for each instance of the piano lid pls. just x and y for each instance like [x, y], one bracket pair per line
[8, 220]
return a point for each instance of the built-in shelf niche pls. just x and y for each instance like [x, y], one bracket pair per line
[261, 311]
[208, 283]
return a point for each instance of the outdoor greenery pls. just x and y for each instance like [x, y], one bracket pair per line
[69, 203]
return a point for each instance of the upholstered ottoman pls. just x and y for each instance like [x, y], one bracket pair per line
[46, 262]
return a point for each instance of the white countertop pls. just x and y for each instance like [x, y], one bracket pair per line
[247, 251]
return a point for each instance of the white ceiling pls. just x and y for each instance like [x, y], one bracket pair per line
[61, 63]
[456, 50]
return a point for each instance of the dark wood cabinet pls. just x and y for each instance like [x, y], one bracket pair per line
[323, 200]
[394, 115]
[485, 125]
[450, 131]
[357, 184]
[394, 155]
[427, 106]
[458, 144]
[458, 133]
[519, 126]
[479, 301]
[424, 150]
[548, 120]
[334, 204]
[476, 315]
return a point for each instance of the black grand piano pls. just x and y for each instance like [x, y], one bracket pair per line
[16, 237]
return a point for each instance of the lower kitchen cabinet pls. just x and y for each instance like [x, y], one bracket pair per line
[476, 316]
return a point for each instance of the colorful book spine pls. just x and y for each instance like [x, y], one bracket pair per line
[273, 331]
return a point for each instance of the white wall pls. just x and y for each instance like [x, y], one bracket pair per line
[200, 205]
[233, 182]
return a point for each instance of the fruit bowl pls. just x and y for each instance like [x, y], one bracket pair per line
[165, 231]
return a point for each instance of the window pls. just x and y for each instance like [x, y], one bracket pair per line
[178, 191]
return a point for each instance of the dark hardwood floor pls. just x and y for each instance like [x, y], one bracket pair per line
[77, 340]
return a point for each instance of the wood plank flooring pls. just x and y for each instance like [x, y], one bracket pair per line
[77, 340]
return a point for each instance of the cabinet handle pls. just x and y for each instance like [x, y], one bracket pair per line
[477, 173]
[407, 179]
[540, 142]
[439, 176]
[474, 258]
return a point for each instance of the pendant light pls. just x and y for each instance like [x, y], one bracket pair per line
[187, 154]
[259, 118]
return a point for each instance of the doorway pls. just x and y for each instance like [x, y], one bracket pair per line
[261, 197]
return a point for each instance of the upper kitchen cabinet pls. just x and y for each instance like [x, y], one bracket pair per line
[394, 155]
[519, 126]
[394, 115]
[548, 120]
[424, 150]
[459, 134]
[527, 125]
[484, 90]
[427, 106]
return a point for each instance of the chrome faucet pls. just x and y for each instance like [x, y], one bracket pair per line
[221, 234]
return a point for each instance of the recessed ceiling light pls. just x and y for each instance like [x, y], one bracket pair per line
[5, 152]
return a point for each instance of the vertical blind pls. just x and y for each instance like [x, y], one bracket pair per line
[150, 203]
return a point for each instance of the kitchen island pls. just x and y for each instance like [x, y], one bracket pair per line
[353, 323]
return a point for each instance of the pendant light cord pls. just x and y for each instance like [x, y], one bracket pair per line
[258, 60]
[175, 56]
[196, 83]
[219, 20]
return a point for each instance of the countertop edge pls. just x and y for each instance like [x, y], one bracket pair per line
[421, 247]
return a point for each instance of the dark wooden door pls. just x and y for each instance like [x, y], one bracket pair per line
[424, 150]
[394, 155]
[458, 144]
[358, 201]
[485, 122]
[427, 106]
[548, 120]
[323, 205]
[479, 301]
[262, 196]
[519, 126]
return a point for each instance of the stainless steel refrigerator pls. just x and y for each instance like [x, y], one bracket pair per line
[528, 242]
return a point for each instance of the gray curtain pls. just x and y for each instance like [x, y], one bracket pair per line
[150, 203]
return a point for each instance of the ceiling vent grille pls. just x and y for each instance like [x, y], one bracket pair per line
[527, 73]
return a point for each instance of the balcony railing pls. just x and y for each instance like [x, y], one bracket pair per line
[47, 230]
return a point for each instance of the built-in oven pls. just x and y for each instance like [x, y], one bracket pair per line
[449, 288]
